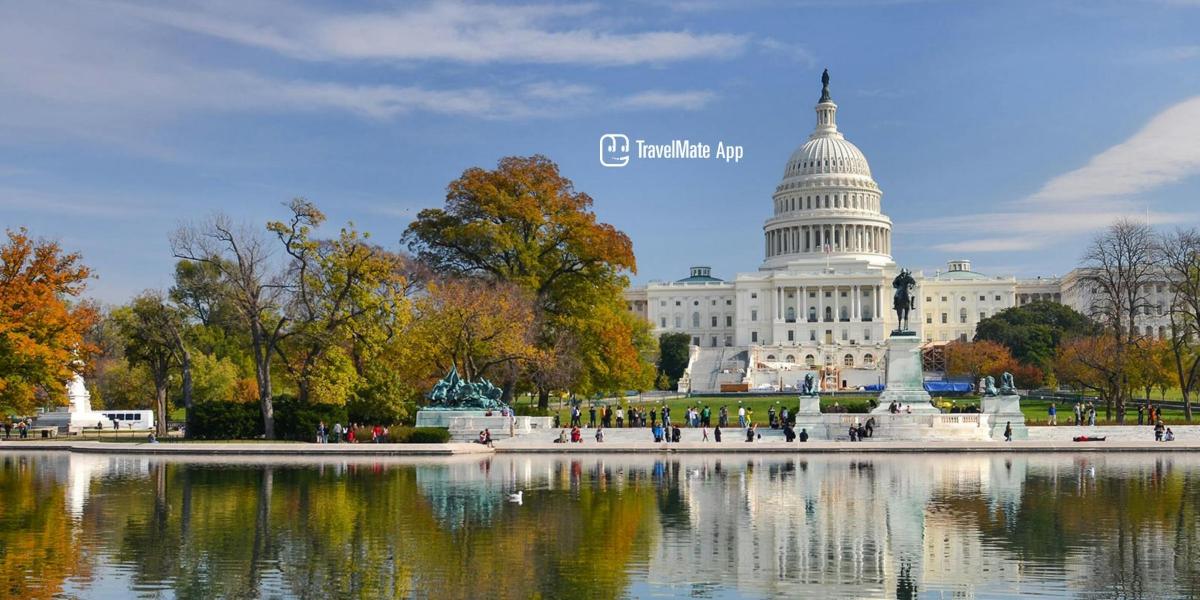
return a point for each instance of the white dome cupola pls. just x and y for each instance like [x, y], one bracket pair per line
[827, 206]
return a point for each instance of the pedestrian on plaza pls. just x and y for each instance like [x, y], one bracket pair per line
[704, 434]
[487, 437]
[1053, 413]
[591, 417]
[676, 434]
[620, 417]
[1091, 414]
[723, 417]
[600, 434]
[706, 417]
[653, 417]
[1141, 414]
[853, 433]
[337, 432]
[717, 434]
[771, 418]
[666, 415]
[7, 429]
[741, 416]
[870, 427]
[1158, 431]
[788, 433]
[862, 433]
[1078, 414]
[1169, 436]
[1008, 431]
[750, 433]
[321, 432]
[803, 435]
[783, 416]
[576, 416]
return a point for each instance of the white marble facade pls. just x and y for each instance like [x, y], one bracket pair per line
[821, 300]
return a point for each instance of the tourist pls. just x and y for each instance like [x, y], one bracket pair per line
[741, 416]
[576, 416]
[653, 417]
[723, 417]
[337, 432]
[1091, 414]
[870, 427]
[803, 435]
[1142, 414]
[1152, 413]
[576, 436]
[837, 408]
[908, 409]
[620, 417]
[750, 433]
[591, 417]
[706, 417]
[789, 434]
[666, 416]
[377, 434]
[562, 437]
[783, 416]
[1169, 436]
[717, 433]
[656, 432]
[321, 432]
[151, 438]
[350, 438]
[771, 418]
[1078, 414]
[1053, 415]
[853, 433]
[1008, 431]
[1158, 431]
[676, 434]
[695, 417]
[862, 432]
[599, 434]
[7, 429]
[704, 434]
[487, 437]
[479, 438]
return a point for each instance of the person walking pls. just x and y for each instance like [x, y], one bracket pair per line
[1008, 431]
[723, 417]
[1078, 414]
[576, 416]
[706, 417]
[1053, 412]
[620, 417]
[1141, 414]
[653, 417]
[741, 416]
[704, 434]
[1091, 414]
[717, 434]
[591, 416]
[1158, 431]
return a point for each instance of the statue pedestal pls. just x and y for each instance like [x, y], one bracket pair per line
[1004, 411]
[427, 417]
[905, 378]
[809, 405]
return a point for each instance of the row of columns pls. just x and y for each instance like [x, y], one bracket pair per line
[856, 312]
[871, 239]
[836, 201]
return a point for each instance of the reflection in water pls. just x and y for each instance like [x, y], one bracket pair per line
[601, 526]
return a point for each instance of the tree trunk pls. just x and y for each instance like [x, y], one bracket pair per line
[185, 361]
[160, 401]
[543, 399]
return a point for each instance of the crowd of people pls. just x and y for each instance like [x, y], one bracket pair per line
[21, 427]
[352, 433]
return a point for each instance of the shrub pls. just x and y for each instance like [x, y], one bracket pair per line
[224, 421]
[531, 410]
[296, 421]
[419, 435]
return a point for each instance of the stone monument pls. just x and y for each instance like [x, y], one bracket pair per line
[454, 396]
[905, 381]
[810, 400]
[1003, 407]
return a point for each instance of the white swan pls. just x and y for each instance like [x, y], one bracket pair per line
[517, 497]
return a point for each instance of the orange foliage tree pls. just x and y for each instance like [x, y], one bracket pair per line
[41, 327]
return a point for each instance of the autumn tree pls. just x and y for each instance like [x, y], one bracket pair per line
[1091, 363]
[523, 223]
[1178, 258]
[257, 289]
[333, 283]
[1032, 332]
[42, 323]
[1118, 268]
[977, 359]
[674, 350]
[1150, 367]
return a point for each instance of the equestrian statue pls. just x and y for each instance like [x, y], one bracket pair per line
[903, 301]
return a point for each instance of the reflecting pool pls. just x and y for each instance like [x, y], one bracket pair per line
[601, 526]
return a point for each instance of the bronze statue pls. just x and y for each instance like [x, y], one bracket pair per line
[989, 386]
[809, 388]
[825, 87]
[1007, 387]
[454, 392]
[903, 301]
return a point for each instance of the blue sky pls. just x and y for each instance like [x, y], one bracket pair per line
[1004, 132]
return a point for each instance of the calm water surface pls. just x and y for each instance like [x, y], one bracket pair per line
[933, 526]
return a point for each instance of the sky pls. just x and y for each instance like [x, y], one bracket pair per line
[1008, 132]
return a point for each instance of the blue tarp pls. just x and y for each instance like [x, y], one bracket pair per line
[874, 387]
[948, 387]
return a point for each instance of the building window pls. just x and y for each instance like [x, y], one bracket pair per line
[754, 315]
[943, 298]
[754, 337]
[676, 303]
[982, 316]
[791, 358]
[678, 321]
[714, 341]
[848, 360]
[714, 302]
[728, 341]
[664, 322]
[812, 335]
[753, 295]
[662, 302]
[982, 298]
[812, 314]
[866, 335]
[714, 322]
[929, 318]
[962, 298]
[997, 297]
[962, 315]
[696, 340]
[810, 360]
[791, 335]
[944, 321]
[728, 321]
[729, 303]
[828, 314]
[928, 299]
[845, 335]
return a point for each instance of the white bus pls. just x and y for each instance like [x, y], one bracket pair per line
[126, 420]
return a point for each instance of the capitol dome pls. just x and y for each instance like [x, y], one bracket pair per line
[828, 205]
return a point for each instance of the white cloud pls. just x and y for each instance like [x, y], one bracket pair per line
[447, 31]
[794, 52]
[684, 100]
[1164, 151]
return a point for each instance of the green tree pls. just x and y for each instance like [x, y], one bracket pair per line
[525, 224]
[1033, 332]
[673, 353]
[151, 328]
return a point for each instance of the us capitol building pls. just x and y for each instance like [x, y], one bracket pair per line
[820, 302]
